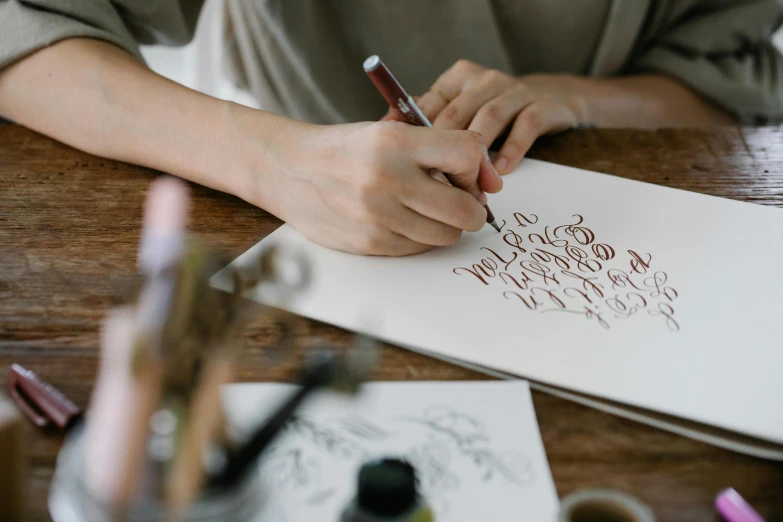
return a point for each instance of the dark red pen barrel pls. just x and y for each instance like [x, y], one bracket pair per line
[390, 89]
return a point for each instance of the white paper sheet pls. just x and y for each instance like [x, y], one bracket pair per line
[475, 445]
[683, 316]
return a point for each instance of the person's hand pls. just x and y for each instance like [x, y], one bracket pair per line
[364, 188]
[469, 96]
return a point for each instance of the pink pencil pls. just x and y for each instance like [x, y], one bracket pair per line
[733, 507]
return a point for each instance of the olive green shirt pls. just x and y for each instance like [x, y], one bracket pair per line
[303, 58]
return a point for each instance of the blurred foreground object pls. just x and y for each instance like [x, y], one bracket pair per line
[12, 459]
[156, 444]
[606, 505]
[387, 492]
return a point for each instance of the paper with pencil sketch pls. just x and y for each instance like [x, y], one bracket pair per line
[653, 297]
[474, 457]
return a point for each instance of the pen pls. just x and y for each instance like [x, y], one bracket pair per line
[130, 381]
[733, 507]
[41, 402]
[403, 104]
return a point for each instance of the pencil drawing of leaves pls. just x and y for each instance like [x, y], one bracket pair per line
[518, 465]
[471, 440]
[363, 428]
[431, 461]
[291, 469]
[459, 428]
[435, 478]
[512, 465]
[324, 437]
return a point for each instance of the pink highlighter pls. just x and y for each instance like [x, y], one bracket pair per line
[733, 507]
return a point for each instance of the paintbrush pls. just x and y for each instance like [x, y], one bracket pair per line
[324, 370]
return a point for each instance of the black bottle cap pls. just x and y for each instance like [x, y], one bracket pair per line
[387, 487]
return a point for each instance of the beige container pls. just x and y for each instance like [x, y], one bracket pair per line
[603, 505]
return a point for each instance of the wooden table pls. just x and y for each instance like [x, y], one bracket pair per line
[69, 229]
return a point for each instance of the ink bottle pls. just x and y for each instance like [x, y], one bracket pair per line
[70, 500]
[387, 493]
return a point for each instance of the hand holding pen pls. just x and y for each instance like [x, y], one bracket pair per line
[369, 192]
[408, 111]
[364, 187]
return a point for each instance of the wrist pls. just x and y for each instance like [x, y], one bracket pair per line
[261, 150]
[572, 91]
[647, 101]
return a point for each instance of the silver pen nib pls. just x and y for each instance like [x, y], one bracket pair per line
[495, 225]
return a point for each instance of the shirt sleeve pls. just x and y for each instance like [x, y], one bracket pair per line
[29, 25]
[722, 49]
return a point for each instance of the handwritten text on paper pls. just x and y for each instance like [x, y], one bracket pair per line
[566, 269]
[445, 446]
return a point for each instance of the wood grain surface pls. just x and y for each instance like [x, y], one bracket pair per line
[69, 230]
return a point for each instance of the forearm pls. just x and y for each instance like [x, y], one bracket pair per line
[649, 101]
[95, 97]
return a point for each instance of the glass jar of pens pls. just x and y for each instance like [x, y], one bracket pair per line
[156, 444]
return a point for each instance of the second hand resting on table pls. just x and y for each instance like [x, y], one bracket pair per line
[487, 101]
[358, 187]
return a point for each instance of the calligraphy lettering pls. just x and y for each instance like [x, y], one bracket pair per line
[620, 279]
[543, 256]
[603, 251]
[552, 295]
[620, 308]
[479, 271]
[587, 283]
[505, 276]
[529, 220]
[583, 263]
[515, 254]
[541, 270]
[668, 312]
[530, 302]
[582, 235]
[570, 290]
[572, 251]
[546, 240]
[587, 312]
[639, 297]
[513, 239]
[638, 264]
